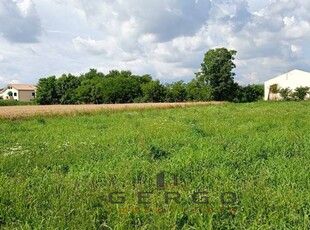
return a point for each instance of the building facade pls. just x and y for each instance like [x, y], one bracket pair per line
[292, 80]
[19, 92]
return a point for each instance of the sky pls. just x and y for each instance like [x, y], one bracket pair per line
[164, 38]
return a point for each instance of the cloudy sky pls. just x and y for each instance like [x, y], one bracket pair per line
[165, 38]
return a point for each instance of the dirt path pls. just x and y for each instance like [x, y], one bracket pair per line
[35, 110]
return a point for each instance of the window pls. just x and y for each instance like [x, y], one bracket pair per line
[33, 94]
[15, 94]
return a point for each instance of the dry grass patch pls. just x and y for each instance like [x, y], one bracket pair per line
[35, 110]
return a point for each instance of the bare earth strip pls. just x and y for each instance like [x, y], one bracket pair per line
[35, 110]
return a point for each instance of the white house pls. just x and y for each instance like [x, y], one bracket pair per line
[19, 92]
[292, 80]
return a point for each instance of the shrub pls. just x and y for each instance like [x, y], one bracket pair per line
[300, 93]
[273, 91]
[249, 93]
[285, 93]
[274, 88]
[14, 102]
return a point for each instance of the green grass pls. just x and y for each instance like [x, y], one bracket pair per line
[57, 172]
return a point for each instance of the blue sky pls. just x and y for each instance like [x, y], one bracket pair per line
[165, 38]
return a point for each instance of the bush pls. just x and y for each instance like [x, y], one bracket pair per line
[274, 88]
[300, 93]
[249, 93]
[14, 102]
[285, 93]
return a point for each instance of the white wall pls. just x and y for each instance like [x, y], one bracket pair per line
[5, 94]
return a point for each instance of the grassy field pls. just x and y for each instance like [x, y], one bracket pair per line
[62, 172]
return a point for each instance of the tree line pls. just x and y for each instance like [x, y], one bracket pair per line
[215, 81]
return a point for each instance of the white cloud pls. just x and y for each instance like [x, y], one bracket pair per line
[2, 58]
[91, 46]
[296, 29]
[295, 48]
[166, 19]
[25, 6]
[19, 21]
[166, 38]
[147, 39]
[14, 81]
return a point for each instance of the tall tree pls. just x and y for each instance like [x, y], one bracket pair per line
[91, 74]
[121, 89]
[176, 92]
[66, 88]
[216, 72]
[198, 91]
[153, 91]
[46, 91]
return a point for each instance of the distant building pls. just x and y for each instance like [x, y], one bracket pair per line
[19, 92]
[292, 80]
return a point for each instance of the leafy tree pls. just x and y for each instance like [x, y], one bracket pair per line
[90, 91]
[300, 93]
[91, 74]
[198, 91]
[121, 89]
[96, 92]
[115, 87]
[249, 93]
[113, 73]
[153, 91]
[285, 93]
[66, 88]
[176, 92]
[46, 91]
[216, 72]
[143, 79]
[125, 73]
[83, 92]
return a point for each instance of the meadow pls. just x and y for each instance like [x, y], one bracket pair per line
[99, 170]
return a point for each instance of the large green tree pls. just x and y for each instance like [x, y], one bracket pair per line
[153, 91]
[198, 91]
[46, 91]
[216, 72]
[249, 93]
[121, 89]
[176, 92]
[66, 88]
